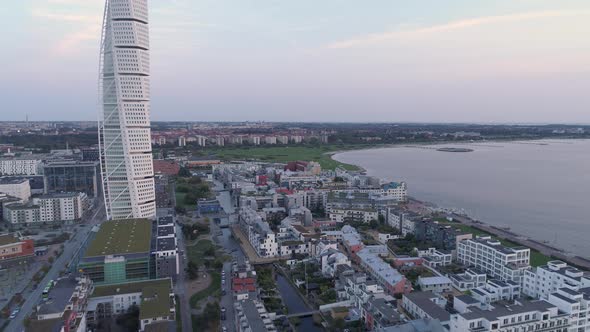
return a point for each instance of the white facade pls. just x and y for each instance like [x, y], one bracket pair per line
[330, 261]
[493, 258]
[435, 284]
[19, 188]
[61, 207]
[259, 234]
[18, 166]
[17, 213]
[522, 316]
[547, 279]
[496, 290]
[125, 140]
[341, 215]
[576, 305]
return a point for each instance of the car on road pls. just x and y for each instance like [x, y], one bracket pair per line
[14, 313]
[224, 329]
[222, 313]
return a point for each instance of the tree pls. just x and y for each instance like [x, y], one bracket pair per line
[184, 172]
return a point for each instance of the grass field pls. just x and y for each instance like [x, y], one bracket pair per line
[196, 252]
[213, 289]
[181, 204]
[320, 154]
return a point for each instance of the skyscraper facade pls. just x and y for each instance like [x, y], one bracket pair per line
[124, 129]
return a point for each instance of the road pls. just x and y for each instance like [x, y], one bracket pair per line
[180, 288]
[71, 247]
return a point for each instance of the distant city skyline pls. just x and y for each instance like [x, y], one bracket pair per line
[501, 61]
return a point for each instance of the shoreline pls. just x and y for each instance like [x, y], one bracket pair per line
[548, 250]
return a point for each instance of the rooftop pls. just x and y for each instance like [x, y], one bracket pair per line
[424, 301]
[155, 295]
[121, 237]
[11, 180]
[8, 239]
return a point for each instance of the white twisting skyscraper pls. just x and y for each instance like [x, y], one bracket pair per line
[124, 132]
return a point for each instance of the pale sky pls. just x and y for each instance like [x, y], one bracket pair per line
[313, 60]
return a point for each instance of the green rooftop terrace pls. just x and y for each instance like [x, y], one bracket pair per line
[155, 295]
[119, 237]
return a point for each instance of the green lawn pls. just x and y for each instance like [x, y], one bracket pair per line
[213, 289]
[195, 252]
[538, 259]
[180, 202]
[287, 153]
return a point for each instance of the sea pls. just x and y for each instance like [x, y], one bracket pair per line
[539, 189]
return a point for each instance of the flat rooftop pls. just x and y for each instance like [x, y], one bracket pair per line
[155, 295]
[6, 239]
[125, 236]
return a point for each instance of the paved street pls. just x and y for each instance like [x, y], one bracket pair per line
[180, 287]
[71, 248]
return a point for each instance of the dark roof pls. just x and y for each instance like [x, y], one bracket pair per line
[467, 299]
[423, 300]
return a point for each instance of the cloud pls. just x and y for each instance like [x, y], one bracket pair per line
[38, 13]
[81, 28]
[454, 25]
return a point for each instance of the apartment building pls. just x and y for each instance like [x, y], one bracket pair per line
[535, 316]
[392, 281]
[496, 290]
[575, 304]
[259, 234]
[426, 305]
[540, 282]
[16, 187]
[436, 285]
[468, 280]
[341, 215]
[491, 257]
[21, 214]
[14, 249]
[154, 298]
[61, 207]
[28, 165]
[397, 190]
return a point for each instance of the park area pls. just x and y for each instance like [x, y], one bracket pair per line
[321, 154]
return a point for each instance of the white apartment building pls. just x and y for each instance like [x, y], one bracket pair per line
[534, 316]
[19, 188]
[397, 190]
[576, 305]
[124, 130]
[496, 290]
[283, 139]
[330, 260]
[259, 234]
[435, 258]
[61, 207]
[16, 213]
[20, 166]
[436, 285]
[491, 257]
[468, 280]
[341, 215]
[270, 140]
[544, 280]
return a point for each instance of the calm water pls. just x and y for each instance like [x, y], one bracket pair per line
[295, 304]
[538, 190]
